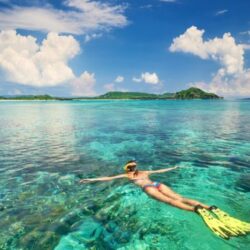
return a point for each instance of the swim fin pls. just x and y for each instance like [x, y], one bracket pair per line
[214, 224]
[237, 225]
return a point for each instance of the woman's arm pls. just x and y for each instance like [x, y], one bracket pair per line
[108, 178]
[161, 170]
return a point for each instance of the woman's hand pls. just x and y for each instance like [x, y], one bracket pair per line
[85, 180]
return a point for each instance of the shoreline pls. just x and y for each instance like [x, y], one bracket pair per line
[53, 100]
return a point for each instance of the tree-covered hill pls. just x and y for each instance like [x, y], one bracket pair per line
[191, 93]
[195, 93]
[133, 95]
[27, 97]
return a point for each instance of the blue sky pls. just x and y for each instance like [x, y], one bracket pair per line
[86, 48]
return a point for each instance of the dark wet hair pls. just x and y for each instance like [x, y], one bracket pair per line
[131, 161]
[128, 168]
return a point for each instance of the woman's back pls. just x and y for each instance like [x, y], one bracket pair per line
[140, 178]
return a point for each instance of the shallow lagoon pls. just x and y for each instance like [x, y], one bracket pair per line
[46, 147]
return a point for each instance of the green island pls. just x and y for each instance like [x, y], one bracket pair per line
[191, 93]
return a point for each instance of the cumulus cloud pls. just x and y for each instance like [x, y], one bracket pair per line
[235, 86]
[84, 85]
[77, 17]
[232, 79]
[150, 78]
[224, 50]
[119, 79]
[23, 60]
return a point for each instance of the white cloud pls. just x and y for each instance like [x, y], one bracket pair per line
[15, 92]
[168, 1]
[147, 6]
[109, 87]
[190, 42]
[224, 50]
[235, 86]
[90, 37]
[245, 32]
[113, 87]
[221, 12]
[232, 79]
[84, 85]
[151, 78]
[245, 46]
[119, 79]
[136, 79]
[25, 61]
[77, 17]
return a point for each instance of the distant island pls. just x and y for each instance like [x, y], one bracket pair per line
[188, 94]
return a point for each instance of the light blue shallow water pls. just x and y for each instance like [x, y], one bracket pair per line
[45, 147]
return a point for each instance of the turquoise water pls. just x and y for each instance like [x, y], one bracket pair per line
[46, 147]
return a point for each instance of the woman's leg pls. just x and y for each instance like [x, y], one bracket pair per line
[170, 193]
[194, 203]
[153, 192]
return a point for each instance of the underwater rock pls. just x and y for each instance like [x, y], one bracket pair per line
[66, 243]
[100, 216]
[16, 228]
[57, 211]
[39, 240]
[60, 228]
[77, 225]
[244, 182]
[30, 239]
[88, 232]
[115, 233]
[1, 207]
[90, 209]
[48, 241]
[43, 177]
[111, 226]
[33, 221]
[25, 195]
[137, 245]
[66, 180]
[72, 217]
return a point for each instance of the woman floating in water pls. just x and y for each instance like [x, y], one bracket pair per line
[223, 225]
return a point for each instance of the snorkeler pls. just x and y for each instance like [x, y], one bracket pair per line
[223, 225]
[156, 190]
